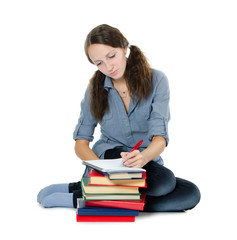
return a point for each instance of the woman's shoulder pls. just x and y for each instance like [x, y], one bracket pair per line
[158, 76]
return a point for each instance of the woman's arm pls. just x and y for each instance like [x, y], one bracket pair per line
[83, 151]
[140, 159]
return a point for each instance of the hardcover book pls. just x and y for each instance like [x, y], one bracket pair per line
[136, 205]
[128, 197]
[124, 175]
[105, 218]
[97, 178]
[102, 211]
[106, 189]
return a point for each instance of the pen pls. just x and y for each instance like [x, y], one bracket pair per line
[137, 145]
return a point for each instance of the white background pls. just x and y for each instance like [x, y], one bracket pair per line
[44, 73]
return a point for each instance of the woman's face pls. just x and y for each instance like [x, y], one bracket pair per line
[110, 61]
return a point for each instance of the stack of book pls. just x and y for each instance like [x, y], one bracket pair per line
[111, 192]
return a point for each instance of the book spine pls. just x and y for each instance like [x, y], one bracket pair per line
[131, 205]
[105, 218]
[118, 185]
[97, 211]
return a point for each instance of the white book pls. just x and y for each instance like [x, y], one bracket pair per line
[111, 166]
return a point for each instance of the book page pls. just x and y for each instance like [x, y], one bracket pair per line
[111, 165]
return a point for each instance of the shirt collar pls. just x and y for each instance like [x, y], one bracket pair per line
[108, 83]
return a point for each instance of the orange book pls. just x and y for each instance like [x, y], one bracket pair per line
[97, 178]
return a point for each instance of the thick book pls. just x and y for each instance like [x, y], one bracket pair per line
[106, 189]
[102, 211]
[128, 197]
[111, 166]
[135, 205]
[97, 178]
[126, 175]
[105, 218]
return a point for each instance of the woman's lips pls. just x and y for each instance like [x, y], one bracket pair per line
[114, 73]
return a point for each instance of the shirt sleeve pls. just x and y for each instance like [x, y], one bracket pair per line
[86, 122]
[160, 112]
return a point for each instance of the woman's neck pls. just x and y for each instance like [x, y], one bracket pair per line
[121, 87]
[120, 81]
[120, 84]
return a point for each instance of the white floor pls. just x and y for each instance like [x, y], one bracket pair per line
[37, 223]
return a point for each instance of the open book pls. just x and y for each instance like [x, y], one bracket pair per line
[112, 166]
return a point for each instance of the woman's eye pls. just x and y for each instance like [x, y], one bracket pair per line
[111, 56]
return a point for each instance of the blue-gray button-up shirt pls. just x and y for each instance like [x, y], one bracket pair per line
[121, 129]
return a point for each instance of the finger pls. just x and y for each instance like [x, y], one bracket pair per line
[136, 164]
[133, 154]
[123, 154]
[131, 161]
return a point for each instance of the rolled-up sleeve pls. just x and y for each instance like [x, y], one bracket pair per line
[160, 112]
[86, 122]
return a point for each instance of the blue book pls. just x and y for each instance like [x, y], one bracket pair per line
[100, 211]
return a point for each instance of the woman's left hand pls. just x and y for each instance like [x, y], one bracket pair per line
[133, 159]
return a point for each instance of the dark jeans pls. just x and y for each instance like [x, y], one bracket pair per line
[164, 192]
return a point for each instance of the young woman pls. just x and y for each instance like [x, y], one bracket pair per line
[130, 101]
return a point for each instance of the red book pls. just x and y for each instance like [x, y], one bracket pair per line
[134, 205]
[105, 218]
[97, 178]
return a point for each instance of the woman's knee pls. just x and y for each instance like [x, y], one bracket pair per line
[166, 184]
[185, 196]
[160, 180]
[196, 197]
[191, 193]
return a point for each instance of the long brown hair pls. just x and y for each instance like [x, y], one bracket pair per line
[137, 74]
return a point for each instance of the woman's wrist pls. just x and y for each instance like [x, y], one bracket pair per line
[146, 159]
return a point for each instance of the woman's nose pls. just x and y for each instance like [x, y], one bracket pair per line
[109, 67]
